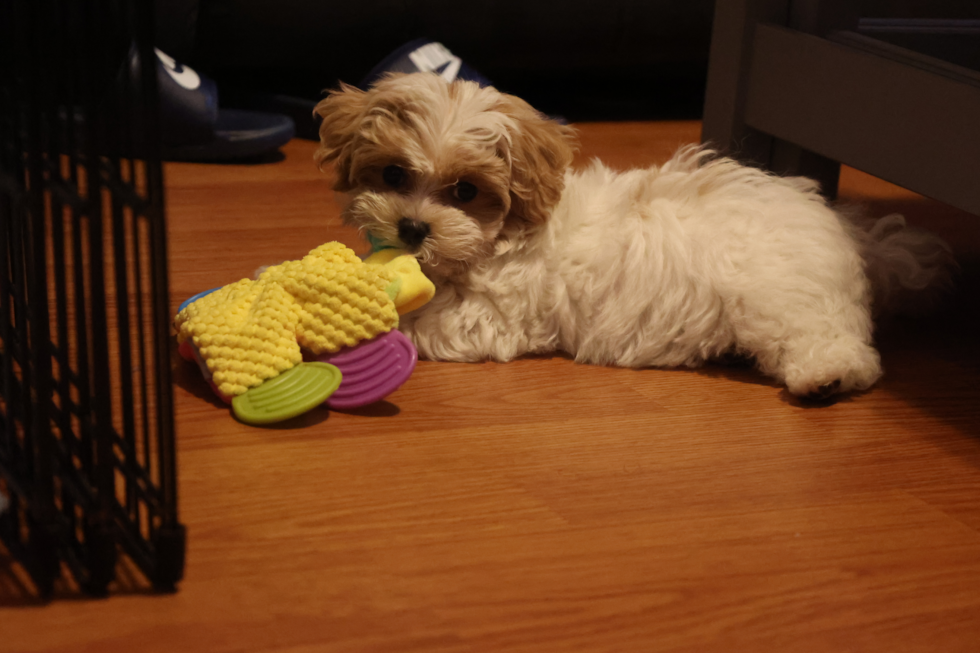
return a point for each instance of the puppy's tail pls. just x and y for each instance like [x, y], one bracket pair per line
[911, 270]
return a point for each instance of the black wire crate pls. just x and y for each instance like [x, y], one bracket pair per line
[87, 453]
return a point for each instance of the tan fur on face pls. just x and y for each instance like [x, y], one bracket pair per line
[441, 134]
[540, 152]
[341, 113]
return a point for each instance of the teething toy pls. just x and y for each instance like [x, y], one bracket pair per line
[320, 329]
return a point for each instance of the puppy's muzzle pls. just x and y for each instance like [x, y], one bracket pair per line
[412, 232]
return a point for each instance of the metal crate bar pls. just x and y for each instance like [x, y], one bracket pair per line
[87, 452]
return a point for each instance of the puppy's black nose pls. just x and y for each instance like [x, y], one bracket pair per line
[413, 232]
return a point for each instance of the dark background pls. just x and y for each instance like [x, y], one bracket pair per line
[582, 59]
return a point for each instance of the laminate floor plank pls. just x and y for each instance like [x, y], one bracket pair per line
[541, 505]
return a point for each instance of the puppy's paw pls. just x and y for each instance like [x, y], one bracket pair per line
[823, 369]
[823, 392]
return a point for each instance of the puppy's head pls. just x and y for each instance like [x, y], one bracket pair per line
[449, 171]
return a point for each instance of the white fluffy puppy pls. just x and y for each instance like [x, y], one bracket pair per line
[672, 265]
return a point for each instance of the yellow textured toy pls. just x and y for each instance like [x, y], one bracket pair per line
[254, 330]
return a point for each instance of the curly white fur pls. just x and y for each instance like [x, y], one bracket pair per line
[667, 266]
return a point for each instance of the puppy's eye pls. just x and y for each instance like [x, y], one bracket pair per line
[464, 191]
[394, 176]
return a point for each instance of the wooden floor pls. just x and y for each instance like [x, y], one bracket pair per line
[542, 506]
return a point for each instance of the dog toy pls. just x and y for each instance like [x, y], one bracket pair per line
[307, 332]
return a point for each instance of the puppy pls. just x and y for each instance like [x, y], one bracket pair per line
[672, 265]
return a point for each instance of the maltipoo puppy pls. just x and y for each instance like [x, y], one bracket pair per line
[672, 265]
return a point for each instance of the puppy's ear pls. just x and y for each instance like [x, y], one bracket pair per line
[341, 111]
[539, 150]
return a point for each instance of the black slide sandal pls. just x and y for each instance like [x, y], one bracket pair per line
[195, 128]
